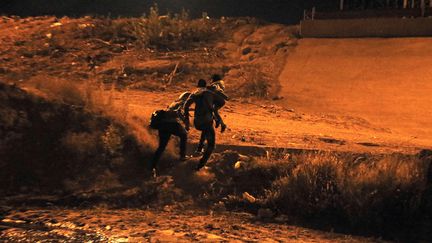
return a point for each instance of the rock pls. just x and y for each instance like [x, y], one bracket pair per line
[117, 49]
[238, 165]
[246, 50]
[265, 213]
[248, 197]
[277, 97]
[56, 24]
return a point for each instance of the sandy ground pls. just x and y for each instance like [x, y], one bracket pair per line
[266, 124]
[166, 225]
[385, 81]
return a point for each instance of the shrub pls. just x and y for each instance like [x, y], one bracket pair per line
[379, 193]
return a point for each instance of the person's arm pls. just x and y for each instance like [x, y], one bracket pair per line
[186, 108]
[218, 99]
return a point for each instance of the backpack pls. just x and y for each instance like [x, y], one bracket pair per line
[157, 118]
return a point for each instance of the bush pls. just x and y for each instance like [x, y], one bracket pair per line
[381, 195]
[324, 189]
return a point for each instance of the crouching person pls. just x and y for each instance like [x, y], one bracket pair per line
[169, 122]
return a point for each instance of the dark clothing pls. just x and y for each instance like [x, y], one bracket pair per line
[165, 132]
[218, 88]
[208, 133]
[204, 100]
[171, 124]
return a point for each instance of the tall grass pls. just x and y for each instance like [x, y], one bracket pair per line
[383, 194]
[156, 31]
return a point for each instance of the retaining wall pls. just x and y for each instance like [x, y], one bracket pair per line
[373, 27]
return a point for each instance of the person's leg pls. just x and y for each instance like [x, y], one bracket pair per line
[211, 141]
[219, 120]
[200, 143]
[181, 132]
[164, 137]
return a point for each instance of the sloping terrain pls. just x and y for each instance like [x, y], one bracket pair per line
[74, 134]
[316, 108]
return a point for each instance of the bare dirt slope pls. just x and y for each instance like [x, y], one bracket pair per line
[386, 81]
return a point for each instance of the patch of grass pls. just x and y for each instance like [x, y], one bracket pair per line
[250, 81]
[155, 31]
[378, 194]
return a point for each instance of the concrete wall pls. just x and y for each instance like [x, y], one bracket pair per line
[375, 27]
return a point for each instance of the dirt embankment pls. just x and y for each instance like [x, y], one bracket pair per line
[121, 53]
[48, 146]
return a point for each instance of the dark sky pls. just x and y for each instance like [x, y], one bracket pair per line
[283, 11]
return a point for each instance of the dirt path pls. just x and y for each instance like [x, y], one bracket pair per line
[385, 81]
[264, 123]
[167, 225]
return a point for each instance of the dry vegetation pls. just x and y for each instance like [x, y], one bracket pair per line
[152, 52]
[365, 194]
[74, 142]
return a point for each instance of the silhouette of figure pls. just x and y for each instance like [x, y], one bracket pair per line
[204, 100]
[169, 122]
[217, 86]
